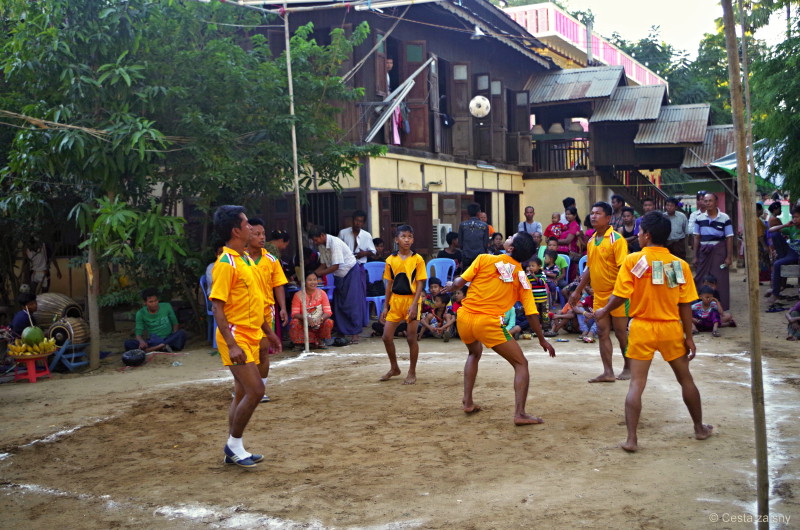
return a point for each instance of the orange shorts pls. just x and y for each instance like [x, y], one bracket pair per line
[399, 306]
[600, 301]
[487, 329]
[248, 339]
[647, 336]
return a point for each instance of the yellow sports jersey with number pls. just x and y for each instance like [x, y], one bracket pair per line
[405, 273]
[654, 302]
[605, 255]
[270, 274]
[488, 294]
[235, 282]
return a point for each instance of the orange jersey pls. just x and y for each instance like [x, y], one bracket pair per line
[654, 302]
[235, 282]
[270, 274]
[489, 295]
[605, 255]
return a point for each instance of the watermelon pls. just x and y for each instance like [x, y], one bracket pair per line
[32, 335]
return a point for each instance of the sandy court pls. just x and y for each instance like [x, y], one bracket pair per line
[144, 448]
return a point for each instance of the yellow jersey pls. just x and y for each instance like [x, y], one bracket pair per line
[405, 273]
[605, 255]
[235, 282]
[654, 302]
[270, 274]
[488, 294]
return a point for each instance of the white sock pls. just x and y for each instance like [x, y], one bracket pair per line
[235, 445]
[264, 379]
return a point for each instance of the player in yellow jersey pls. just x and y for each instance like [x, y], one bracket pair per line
[238, 306]
[497, 283]
[272, 278]
[606, 251]
[405, 282]
[661, 299]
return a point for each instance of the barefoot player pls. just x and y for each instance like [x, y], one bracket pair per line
[661, 306]
[498, 282]
[270, 273]
[238, 304]
[405, 277]
[606, 250]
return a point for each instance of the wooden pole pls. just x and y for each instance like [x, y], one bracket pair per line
[751, 257]
[298, 217]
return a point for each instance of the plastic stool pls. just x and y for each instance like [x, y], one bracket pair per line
[26, 369]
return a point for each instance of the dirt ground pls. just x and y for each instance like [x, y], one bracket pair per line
[143, 448]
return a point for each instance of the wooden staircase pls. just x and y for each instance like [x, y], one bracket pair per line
[634, 187]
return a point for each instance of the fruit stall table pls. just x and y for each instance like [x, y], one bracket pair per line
[26, 367]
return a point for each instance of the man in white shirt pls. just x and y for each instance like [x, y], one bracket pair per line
[701, 208]
[677, 236]
[349, 279]
[529, 225]
[358, 240]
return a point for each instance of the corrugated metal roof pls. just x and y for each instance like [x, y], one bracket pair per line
[574, 85]
[676, 125]
[720, 140]
[631, 103]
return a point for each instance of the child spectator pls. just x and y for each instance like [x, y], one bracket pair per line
[452, 251]
[434, 288]
[380, 251]
[555, 227]
[705, 313]
[561, 261]
[439, 322]
[318, 309]
[585, 316]
[566, 318]
[552, 273]
[456, 299]
[725, 317]
[405, 277]
[538, 282]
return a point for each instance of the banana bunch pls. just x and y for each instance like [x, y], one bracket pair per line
[20, 349]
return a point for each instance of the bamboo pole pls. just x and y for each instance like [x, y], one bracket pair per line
[298, 217]
[751, 257]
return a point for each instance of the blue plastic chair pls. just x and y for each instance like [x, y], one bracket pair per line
[374, 273]
[212, 323]
[582, 265]
[329, 288]
[569, 262]
[443, 268]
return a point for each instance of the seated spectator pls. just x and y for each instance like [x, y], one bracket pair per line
[496, 244]
[380, 251]
[705, 313]
[310, 261]
[318, 309]
[440, 321]
[584, 312]
[793, 328]
[434, 288]
[452, 251]
[561, 261]
[726, 318]
[158, 322]
[22, 319]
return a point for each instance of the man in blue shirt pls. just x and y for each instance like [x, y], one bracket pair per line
[23, 318]
[158, 322]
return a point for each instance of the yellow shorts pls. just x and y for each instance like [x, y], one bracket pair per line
[487, 329]
[248, 339]
[399, 306]
[600, 301]
[647, 336]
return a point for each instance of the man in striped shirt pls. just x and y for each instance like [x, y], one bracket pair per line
[713, 247]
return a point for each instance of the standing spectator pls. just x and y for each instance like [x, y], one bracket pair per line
[529, 225]
[278, 242]
[764, 262]
[210, 267]
[775, 239]
[473, 234]
[496, 246]
[568, 242]
[349, 279]
[701, 208]
[566, 202]
[40, 260]
[713, 247]
[357, 239]
[157, 321]
[628, 229]
[676, 243]
[648, 205]
[617, 203]
[485, 218]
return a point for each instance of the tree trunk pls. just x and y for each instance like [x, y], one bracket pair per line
[93, 291]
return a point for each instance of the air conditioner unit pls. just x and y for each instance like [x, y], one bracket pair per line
[440, 232]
